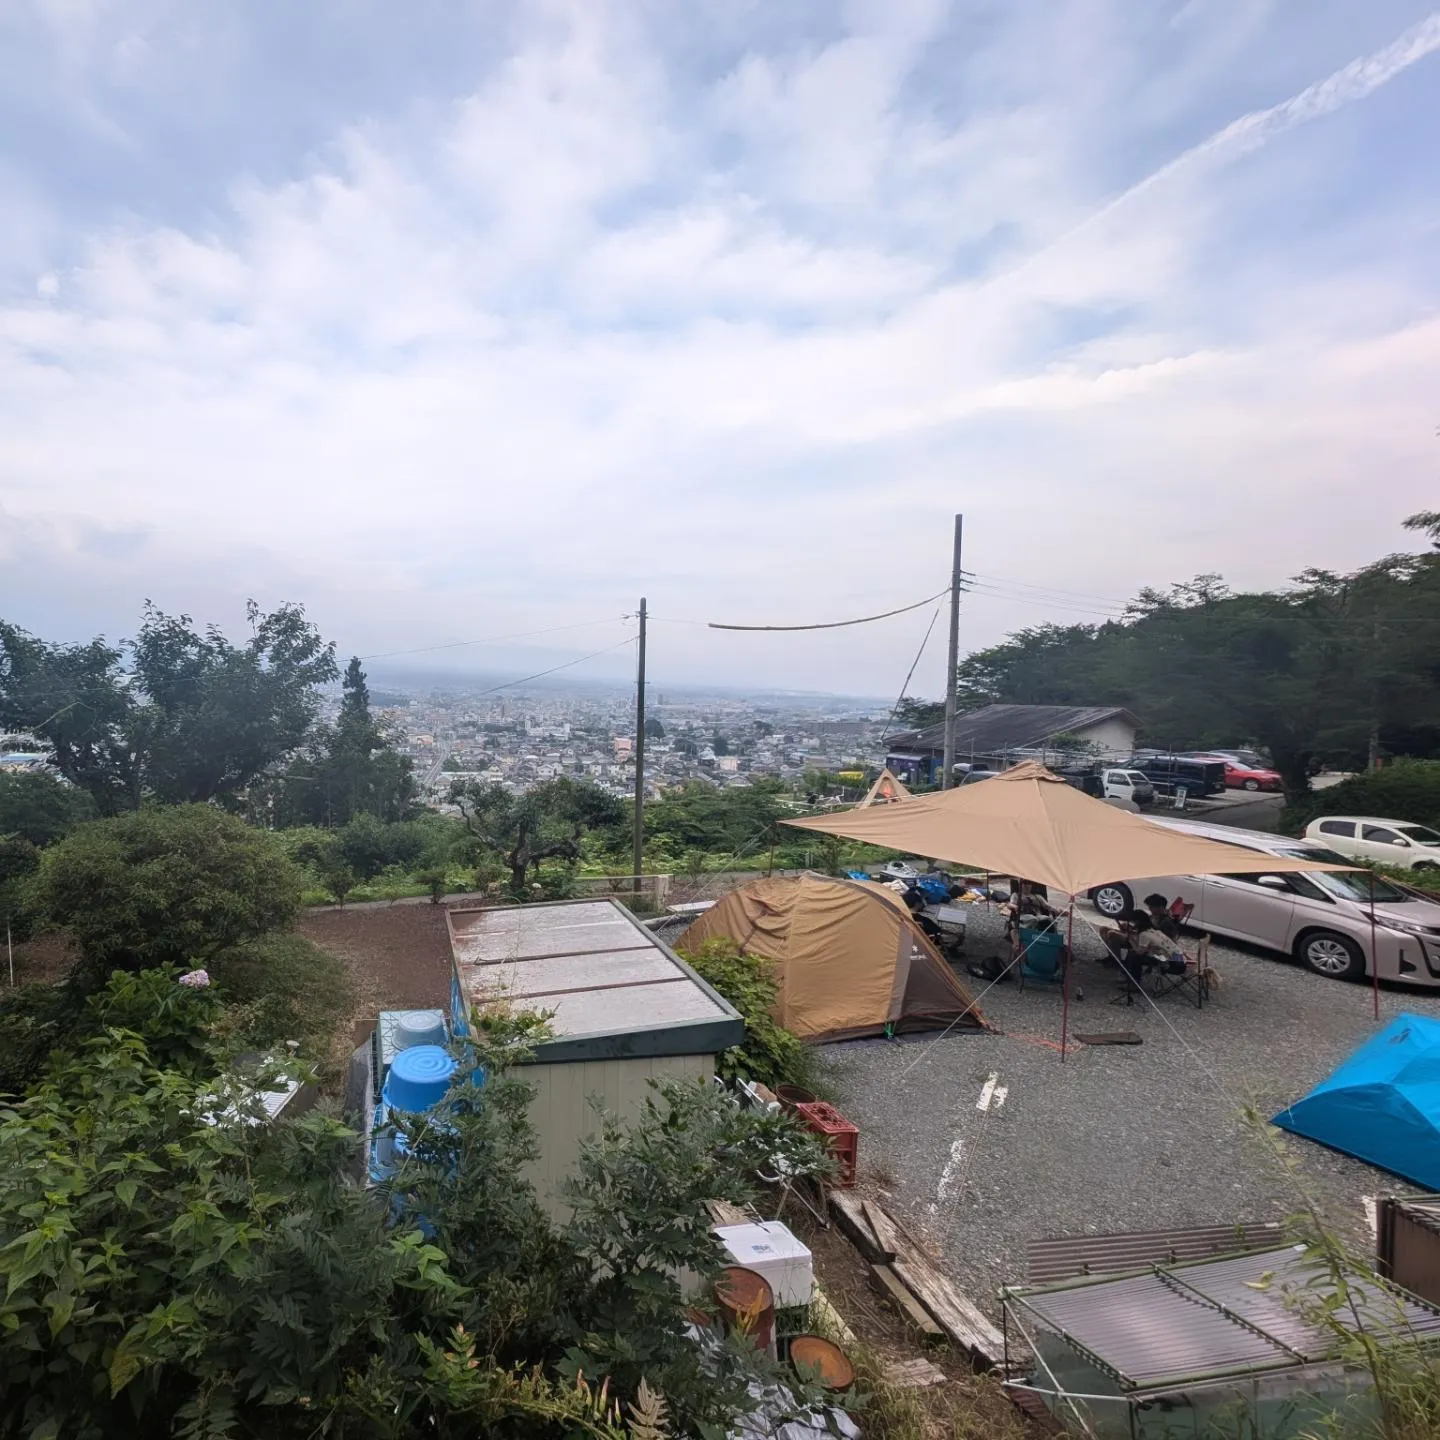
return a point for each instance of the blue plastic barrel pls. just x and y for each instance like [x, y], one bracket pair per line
[419, 1078]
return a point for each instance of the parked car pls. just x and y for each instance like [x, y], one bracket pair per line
[974, 777]
[1169, 773]
[1240, 775]
[1393, 842]
[1127, 785]
[899, 870]
[1322, 918]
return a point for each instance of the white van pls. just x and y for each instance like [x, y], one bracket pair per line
[1128, 785]
[1391, 842]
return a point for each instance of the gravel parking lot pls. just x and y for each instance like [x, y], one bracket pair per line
[1116, 1138]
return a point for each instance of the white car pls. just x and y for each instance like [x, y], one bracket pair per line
[1392, 842]
[1321, 918]
[899, 870]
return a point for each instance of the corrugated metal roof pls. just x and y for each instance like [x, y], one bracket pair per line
[1064, 1257]
[614, 988]
[1214, 1318]
[996, 728]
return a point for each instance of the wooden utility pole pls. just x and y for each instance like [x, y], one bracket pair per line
[639, 857]
[952, 659]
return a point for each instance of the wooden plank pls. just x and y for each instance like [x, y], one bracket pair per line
[884, 1279]
[885, 1232]
[961, 1321]
[850, 1217]
[722, 1212]
[917, 1374]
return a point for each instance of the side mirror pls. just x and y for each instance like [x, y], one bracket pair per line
[1273, 882]
[1401, 841]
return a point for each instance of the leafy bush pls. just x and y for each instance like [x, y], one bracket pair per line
[281, 987]
[1404, 790]
[166, 887]
[770, 1054]
[161, 1275]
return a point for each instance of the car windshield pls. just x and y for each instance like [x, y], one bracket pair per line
[1348, 884]
[1420, 834]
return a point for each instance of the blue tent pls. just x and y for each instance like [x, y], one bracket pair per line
[1382, 1104]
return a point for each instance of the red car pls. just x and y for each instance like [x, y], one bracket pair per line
[1239, 776]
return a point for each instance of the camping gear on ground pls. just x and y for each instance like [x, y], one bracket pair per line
[822, 1361]
[771, 1250]
[747, 1305]
[1220, 1346]
[1381, 1105]
[842, 1137]
[1029, 822]
[848, 957]
[1407, 1243]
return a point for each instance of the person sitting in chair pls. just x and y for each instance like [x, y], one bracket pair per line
[1146, 947]
[1163, 916]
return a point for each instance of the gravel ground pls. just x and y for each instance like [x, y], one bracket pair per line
[1116, 1138]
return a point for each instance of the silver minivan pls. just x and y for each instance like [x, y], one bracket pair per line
[1322, 918]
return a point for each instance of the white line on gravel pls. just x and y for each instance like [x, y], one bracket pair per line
[988, 1091]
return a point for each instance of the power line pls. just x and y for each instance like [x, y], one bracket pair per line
[837, 624]
[540, 674]
[900, 699]
[493, 639]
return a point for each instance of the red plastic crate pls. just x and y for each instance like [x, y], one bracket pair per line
[844, 1137]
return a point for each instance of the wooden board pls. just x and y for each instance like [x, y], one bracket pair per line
[961, 1321]
[885, 1280]
[849, 1213]
[722, 1212]
[884, 1232]
[917, 1374]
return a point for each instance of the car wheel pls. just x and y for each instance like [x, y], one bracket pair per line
[1112, 901]
[1425, 865]
[1335, 956]
[1252, 784]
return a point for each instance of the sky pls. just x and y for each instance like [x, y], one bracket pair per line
[469, 321]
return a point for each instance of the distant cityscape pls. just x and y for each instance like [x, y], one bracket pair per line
[522, 738]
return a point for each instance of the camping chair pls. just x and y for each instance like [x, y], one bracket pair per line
[1194, 980]
[1042, 956]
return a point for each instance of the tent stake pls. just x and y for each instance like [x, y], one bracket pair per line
[1065, 984]
[1374, 953]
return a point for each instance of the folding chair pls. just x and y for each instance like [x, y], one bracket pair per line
[1195, 979]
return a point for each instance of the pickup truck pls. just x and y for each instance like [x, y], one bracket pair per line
[1112, 784]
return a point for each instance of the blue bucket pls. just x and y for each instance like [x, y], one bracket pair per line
[419, 1078]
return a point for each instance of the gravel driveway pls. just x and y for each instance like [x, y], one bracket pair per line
[1116, 1138]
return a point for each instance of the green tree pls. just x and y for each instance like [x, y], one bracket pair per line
[192, 717]
[654, 730]
[545, 823]
[169, 886]
[41, 808]
[912, 714]
[352, 768]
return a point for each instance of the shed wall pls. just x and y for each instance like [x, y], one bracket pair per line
[563, 1116]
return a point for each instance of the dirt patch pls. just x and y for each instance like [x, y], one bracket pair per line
[45, 958]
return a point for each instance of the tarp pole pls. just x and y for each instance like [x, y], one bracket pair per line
[1065, 980]
[1374, 953]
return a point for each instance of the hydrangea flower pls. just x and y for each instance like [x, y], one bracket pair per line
[195, 979]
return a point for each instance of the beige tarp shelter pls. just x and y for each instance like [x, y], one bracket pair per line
[886, 790]
[1029, 823]
[848, 958]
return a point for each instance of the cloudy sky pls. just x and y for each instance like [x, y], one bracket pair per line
[472, 320]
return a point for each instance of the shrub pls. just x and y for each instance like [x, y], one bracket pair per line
[770, 1054]
[282, 987]
[166, 887]
[1404, 790]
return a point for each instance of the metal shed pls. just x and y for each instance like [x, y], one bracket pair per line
[1184, 1350]
[626, 1010]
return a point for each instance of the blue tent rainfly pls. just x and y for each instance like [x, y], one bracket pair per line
[1382, 1104]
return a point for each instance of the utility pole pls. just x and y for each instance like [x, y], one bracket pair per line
[953, 659]
[640, 757]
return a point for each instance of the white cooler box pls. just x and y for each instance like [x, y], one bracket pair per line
[772, 1251]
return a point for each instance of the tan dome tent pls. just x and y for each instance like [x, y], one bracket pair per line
[848, 958]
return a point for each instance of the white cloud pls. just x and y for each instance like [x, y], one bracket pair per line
[600, 327]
